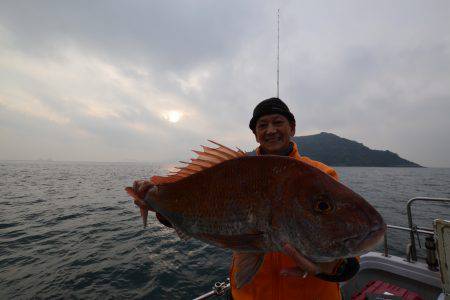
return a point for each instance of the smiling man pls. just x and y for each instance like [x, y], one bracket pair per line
[281, 277]
[274, 126]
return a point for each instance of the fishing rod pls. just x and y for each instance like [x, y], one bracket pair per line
[278, 54]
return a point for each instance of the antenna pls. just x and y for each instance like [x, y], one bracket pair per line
[278, 57]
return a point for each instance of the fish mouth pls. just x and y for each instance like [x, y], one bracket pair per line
[365, 242]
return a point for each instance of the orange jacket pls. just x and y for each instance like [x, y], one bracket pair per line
[268, 284]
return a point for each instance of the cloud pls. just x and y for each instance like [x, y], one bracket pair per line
[105, 75]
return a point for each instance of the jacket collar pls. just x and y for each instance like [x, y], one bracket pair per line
[292, 151]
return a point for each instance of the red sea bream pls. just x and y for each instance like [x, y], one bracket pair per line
[258, 204]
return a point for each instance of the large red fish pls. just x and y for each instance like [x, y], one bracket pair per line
[258, 204]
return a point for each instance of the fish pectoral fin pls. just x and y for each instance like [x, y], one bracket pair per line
[302, 261]
[247, 265]
[244, 242]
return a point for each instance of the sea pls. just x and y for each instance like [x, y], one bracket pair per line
[68, 230]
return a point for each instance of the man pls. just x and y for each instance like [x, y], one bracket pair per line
[281, 277]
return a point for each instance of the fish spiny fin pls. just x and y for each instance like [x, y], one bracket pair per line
[180, 174]
[227, 150]
[195, 168]
[185, 171]
[175, 177]
[205, 159]
[215, 152]
[206, 164]
[192, 166]
[208, 157]
[240, 152]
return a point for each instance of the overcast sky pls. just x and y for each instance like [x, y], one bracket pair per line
[151, 80]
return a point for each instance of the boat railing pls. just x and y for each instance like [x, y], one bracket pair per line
[415, 228]
[414, 231]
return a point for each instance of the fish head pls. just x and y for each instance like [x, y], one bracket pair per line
[325, 220]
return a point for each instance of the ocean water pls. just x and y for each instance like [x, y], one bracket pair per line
[68, 230]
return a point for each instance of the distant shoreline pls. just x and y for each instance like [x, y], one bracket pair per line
[166, 163]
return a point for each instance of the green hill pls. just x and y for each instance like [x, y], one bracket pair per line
[336, 151]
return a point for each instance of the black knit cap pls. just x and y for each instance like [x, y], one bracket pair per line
[268, 107]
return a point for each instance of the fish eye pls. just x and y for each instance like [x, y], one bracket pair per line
[323, 205]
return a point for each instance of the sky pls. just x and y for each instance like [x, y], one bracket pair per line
[151, 80]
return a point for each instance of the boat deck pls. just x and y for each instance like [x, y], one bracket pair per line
[357, 283]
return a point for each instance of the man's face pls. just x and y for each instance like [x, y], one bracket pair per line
[273, 133]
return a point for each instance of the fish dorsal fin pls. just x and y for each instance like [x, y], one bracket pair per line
[161, 179]
[202, 163]
[221, 155]
[207, 158]
[192, 166]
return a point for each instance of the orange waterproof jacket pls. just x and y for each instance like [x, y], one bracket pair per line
[268, 284]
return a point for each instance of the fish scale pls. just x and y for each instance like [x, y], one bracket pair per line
[202, 205]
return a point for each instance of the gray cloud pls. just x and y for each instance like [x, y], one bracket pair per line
[100, 76]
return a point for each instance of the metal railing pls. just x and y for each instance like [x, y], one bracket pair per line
[414, 230]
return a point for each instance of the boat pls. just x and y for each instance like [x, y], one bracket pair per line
[386, 276]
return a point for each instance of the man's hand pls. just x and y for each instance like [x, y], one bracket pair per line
[138, 192]
[141, 187]
[305, 266]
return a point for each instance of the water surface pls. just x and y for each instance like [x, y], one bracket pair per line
[69, 230]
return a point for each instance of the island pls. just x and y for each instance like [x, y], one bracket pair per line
[337, 151]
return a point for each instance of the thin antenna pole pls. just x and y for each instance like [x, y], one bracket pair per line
[278, 56]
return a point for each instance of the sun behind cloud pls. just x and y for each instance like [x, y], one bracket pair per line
[173, 116]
